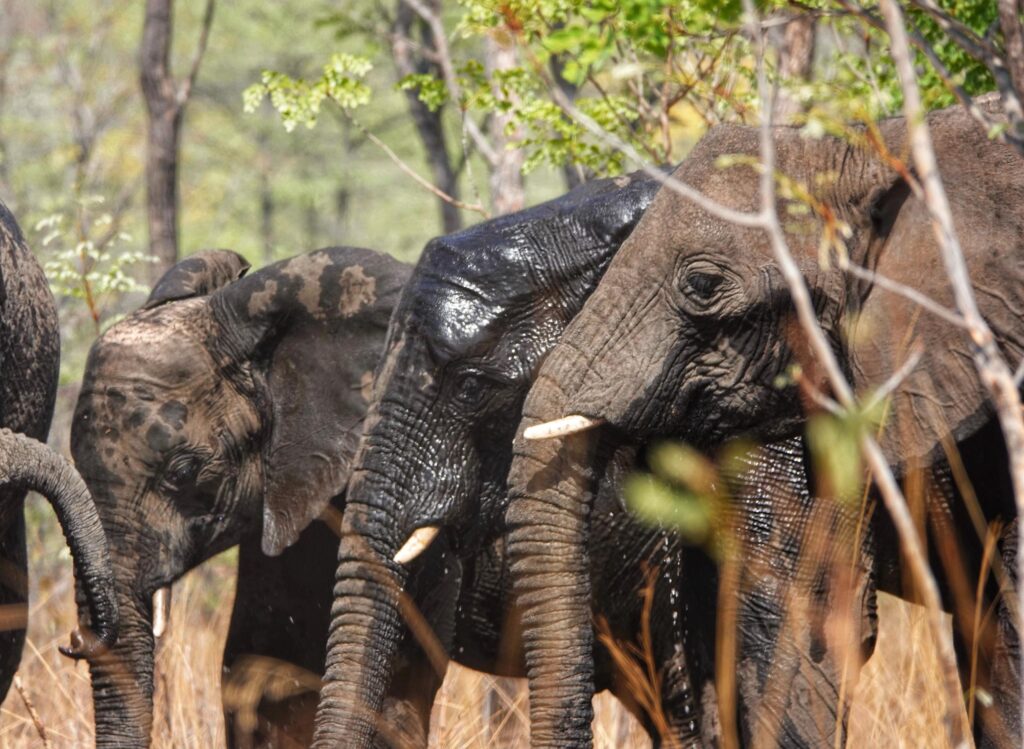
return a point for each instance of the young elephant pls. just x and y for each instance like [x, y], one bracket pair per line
[692, 325]
[211, 420]
[29, 365]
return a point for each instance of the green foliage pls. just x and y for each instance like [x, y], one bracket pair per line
[835, 445]
[977, 15]
[681, 492]
[298, 101]
[84, 262]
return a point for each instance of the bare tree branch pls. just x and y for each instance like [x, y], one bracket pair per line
[165, 104]
[903, 290]
[983, 51]
[197, 58]
[994, 372]
[444, 60]
[1013, 39]
[972, 105]
[429, 124]
[425, 184]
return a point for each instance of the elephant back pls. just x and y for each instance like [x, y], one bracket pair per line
[29, 336]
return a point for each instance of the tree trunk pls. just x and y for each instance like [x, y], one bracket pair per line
[267, 216]
[796, 57]
[574, 174]
[165, 103]
[506, 174]
[428, 124]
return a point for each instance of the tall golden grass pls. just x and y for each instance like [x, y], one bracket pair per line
[898, 701]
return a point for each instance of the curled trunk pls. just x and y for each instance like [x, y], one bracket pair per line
[550, 490]
[365, 626]
[31, 464]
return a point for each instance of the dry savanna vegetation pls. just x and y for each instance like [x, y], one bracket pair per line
[898, 701]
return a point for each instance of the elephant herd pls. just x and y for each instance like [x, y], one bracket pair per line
[244, 408]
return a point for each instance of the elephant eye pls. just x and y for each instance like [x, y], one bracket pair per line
[703, 285]
[182, 472]
[470, 389]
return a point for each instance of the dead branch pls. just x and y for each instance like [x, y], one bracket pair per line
[892, 496]
[32, 712]
[993, 369]
[444, 61]
[408, 170]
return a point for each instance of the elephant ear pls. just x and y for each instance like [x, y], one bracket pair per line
[198, 275]
[943, 395]
[314, 326]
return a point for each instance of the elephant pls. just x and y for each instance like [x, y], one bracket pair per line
[29, 366]
[282, 603]
[480, 312]
[691, 335]
[226, 411]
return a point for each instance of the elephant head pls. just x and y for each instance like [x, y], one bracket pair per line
[205, 418]
[482, 308]
[691, 329]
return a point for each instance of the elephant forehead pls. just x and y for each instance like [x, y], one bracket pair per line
[152, 353]
[460, 305]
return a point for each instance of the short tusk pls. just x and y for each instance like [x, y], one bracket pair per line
[161, 611]
[561, 427]
[418, 542]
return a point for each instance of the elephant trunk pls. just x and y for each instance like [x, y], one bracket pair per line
[122, 678]
[551, 484]
[33, 465]
[365, 624]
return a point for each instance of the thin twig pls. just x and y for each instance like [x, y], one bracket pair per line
[36, 720]
[740, 218]
[185, 89]
[993, 370]
[424, 183]
[896, 378]
[983, 51]
[909, 292]
[968, 103]
[893, 497]
[444, 61]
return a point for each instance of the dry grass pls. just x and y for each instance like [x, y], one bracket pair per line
[898, 702]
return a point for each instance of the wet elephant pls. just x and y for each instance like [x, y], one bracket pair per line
[480, 312]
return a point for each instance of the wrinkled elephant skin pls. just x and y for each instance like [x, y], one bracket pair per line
[691, 330]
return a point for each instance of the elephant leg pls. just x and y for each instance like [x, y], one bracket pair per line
[276, 644]
[1000, 724]
[13, 594]
[796, 607]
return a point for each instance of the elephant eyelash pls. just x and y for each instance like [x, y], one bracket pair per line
[184, 470]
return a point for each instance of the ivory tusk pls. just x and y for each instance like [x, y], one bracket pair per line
[561, 427]
[418, 542]
[161, 611]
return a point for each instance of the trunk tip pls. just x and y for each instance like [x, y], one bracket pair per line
[87, 645]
